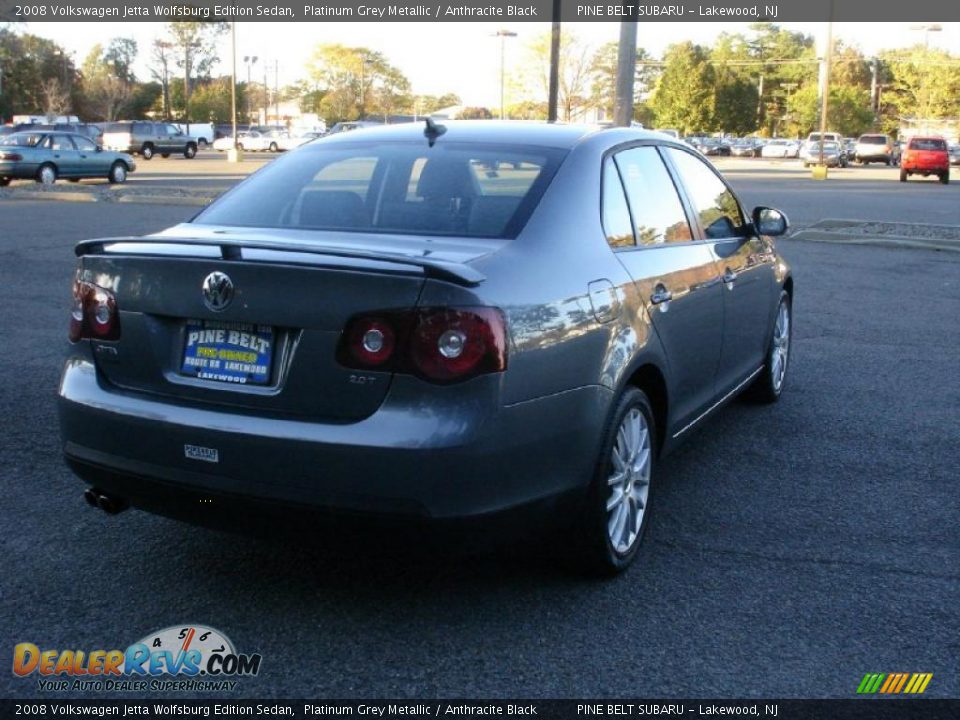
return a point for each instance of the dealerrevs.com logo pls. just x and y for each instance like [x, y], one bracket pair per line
[180, 657]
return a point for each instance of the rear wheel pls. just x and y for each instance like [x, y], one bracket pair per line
[74, 180]
[47, 174]
[118, 173]
[903, 175]
[190, 151]
[616, 512]
[146, 152]
[164, 155]
[4, 181]
[945, 178]
[273, 147]
[769, 383]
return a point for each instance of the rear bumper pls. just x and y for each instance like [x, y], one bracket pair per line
[458, 456]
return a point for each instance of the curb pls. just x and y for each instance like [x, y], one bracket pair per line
[110, 197]
[882, 240]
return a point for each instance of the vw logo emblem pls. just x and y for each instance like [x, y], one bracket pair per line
[217, 291]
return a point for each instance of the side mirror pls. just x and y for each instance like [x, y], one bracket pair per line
[99, 148]
[767, 221]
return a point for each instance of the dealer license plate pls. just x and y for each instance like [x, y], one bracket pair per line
[228, 352]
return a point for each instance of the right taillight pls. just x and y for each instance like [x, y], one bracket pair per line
[94, 315]
[442, 345]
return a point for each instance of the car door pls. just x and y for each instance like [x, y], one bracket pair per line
[746, 264]
[174, 140]
[91, 162]
[64, 154]
[676, 277]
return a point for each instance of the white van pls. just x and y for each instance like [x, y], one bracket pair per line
[203, 132]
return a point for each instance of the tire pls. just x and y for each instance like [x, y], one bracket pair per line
[47, 174]
[118, 173]
[74, 180]
[4, 181]
[945, 178]
[769, 384]
[146, 152]
[610, 538]
[190, 151]
[903, 175]
[273, 147]
[164, 155]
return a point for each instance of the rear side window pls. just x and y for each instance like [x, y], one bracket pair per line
[928, 144]
[616, 216]
[470, 189]
[658, 215]
[714, 203]
[142, 128]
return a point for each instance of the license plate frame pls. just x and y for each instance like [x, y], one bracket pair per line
[228, 353]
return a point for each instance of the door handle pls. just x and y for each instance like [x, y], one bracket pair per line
[661, 295]
[729, 276]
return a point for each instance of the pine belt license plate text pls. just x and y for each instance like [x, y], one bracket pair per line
[228, 352]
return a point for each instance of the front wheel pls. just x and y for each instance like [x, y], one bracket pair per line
[146, 152]
[4, 181]
[617, 506]
[273, 147]
[190, 151]
[118, 173]
[47, 174]
[769, 383]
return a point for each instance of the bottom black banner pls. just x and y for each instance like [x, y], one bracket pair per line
[872, 709]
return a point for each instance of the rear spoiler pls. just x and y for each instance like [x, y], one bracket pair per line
[459, 273]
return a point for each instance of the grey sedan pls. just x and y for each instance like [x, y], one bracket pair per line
[47, 156]
[428, 321]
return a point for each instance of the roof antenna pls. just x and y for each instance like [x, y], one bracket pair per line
[433, 130]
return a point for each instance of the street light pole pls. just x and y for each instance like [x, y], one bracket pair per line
[249, 61]
[828, 54]
[503, 35]
[553, 92]
[233, 86]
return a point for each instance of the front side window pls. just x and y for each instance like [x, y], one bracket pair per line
[84, 144]
[470, 189]
[717, 207]
[658, 215]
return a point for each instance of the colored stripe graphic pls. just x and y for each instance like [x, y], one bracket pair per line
[894, 683]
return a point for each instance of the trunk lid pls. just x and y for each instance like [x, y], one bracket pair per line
[292, 294]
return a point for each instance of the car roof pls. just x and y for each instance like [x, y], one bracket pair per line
[508, 132]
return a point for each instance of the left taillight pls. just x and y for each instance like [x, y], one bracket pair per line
[11, 156]
[437, 344]
[94, 315]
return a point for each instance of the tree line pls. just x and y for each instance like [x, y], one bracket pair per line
[764, 81]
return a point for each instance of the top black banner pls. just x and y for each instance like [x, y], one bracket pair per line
[479, 10]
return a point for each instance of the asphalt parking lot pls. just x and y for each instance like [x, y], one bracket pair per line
[792, 550]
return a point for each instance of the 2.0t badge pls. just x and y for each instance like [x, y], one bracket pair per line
[217, 291]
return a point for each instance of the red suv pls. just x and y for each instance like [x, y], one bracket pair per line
[926, 156]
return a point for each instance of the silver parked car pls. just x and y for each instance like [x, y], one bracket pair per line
[441, 322]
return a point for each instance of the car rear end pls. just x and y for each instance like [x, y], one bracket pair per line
[320, 364]
[119, 136]
[926, 156]
[874, 148]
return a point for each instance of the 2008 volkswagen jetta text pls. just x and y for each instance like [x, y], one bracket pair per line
[430, 321]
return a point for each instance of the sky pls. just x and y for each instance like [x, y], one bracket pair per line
[459, 57]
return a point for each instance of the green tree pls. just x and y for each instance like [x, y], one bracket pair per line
[603, 69]
[108, 80]
[848, 110]
[211, 101]
[685, 96]
[193, 48]
[356, 81]
[921, 82]
[476, 113]
[38, 75]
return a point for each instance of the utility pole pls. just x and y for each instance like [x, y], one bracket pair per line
[266, 95]
[554, 90]
[249, 61]
[626, 69]
[233, 87]
[503, 35]
[827, 56]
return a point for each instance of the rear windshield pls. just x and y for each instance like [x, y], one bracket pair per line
[928, 144]
[454, 189]
[873, 139]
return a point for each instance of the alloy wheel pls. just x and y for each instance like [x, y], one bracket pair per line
[629, 481]
[780, 350]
